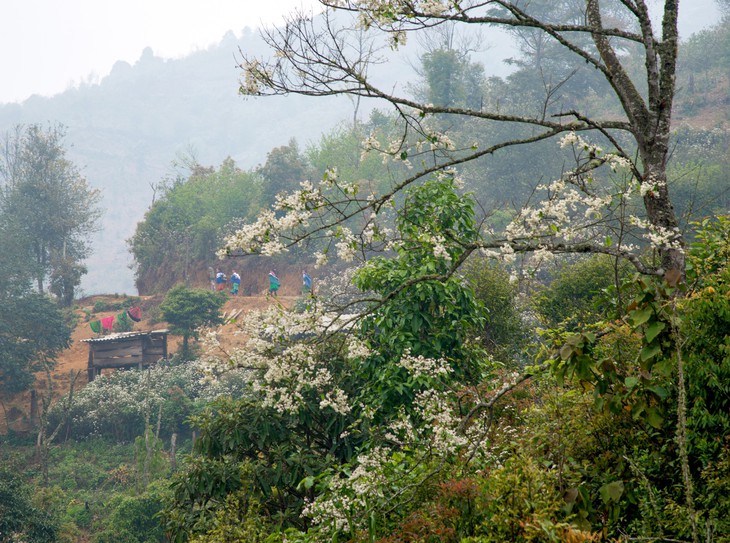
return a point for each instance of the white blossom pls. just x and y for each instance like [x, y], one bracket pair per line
[420, 366]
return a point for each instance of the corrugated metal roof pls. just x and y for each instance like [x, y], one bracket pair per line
[124, 335]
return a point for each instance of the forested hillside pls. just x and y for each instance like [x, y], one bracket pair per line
[519, 323]
[126, 133]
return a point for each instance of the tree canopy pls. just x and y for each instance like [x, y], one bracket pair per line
[181, 229]
[48, 207]
[312, 58]
[33, 332]
[188, 309]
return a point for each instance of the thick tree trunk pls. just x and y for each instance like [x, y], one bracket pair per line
[661, 215]
[650, 117]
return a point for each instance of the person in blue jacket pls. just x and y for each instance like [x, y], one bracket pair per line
[220, 280]
[274, 283]
[306, 283]
[235, 283]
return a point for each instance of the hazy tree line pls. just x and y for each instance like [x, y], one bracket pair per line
[182, 229]
[47, 213]
[473, 400]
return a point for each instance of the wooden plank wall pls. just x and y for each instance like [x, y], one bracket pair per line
[143, 350]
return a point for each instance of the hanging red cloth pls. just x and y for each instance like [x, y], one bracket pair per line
[108, 323]
[135, 313]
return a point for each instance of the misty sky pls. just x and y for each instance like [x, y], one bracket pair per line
[48, 45]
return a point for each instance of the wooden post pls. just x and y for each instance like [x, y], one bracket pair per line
[90, 366]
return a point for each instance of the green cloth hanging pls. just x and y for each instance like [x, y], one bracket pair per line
[95, 326]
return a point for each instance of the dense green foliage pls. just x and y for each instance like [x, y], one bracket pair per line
[188, 309]
[505, 332]
[583, 293]
[180, 232]
[47, 207]
[432, 317]
[20, 520]
[33, 332]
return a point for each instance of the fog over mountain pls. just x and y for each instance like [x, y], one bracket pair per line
[125, 132]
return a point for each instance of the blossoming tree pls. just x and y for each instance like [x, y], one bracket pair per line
[406, 393]
[582, 210]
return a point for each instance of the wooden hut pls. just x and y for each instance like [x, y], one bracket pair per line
[126, 350]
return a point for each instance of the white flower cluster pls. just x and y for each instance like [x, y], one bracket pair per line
[570, 211]
[440, 141]
[370, 143]
[401, 431]
[566, 212]
[659, 236]
[613, 160]
[290, 370]
[376, 476]
[292, 214]
[651, 186]
[349, 497]
[618, 162]
[347, 245]
[439, 249]
[121, 399]
[444, 423]
[383, 11]
[320, 259]
[571, 139]
[357, 348]
[419, 366]
[254, 77]
[433, 7]
[396, 151]
[265, 235]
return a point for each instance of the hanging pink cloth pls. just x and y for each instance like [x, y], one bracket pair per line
[108, 322]
[135, 313]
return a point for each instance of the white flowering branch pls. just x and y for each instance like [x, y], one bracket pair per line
[319, 57]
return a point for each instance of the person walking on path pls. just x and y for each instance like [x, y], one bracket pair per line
[220, 280]
[274, 283]
[235, 283]
[306, 283]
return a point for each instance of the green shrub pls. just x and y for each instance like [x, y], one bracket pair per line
[521, 501]
[582, 293]
[154, 314]
[79, 514]
[135, 517]
[115, 535]
[19, 518]
[505, 333]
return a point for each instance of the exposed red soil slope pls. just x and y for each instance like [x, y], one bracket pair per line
[74, 360]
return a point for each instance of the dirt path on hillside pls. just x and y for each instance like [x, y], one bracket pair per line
[74, 360]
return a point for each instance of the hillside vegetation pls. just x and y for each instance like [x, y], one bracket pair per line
[496, 346]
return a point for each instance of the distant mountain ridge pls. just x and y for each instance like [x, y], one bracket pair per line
[125, 132]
